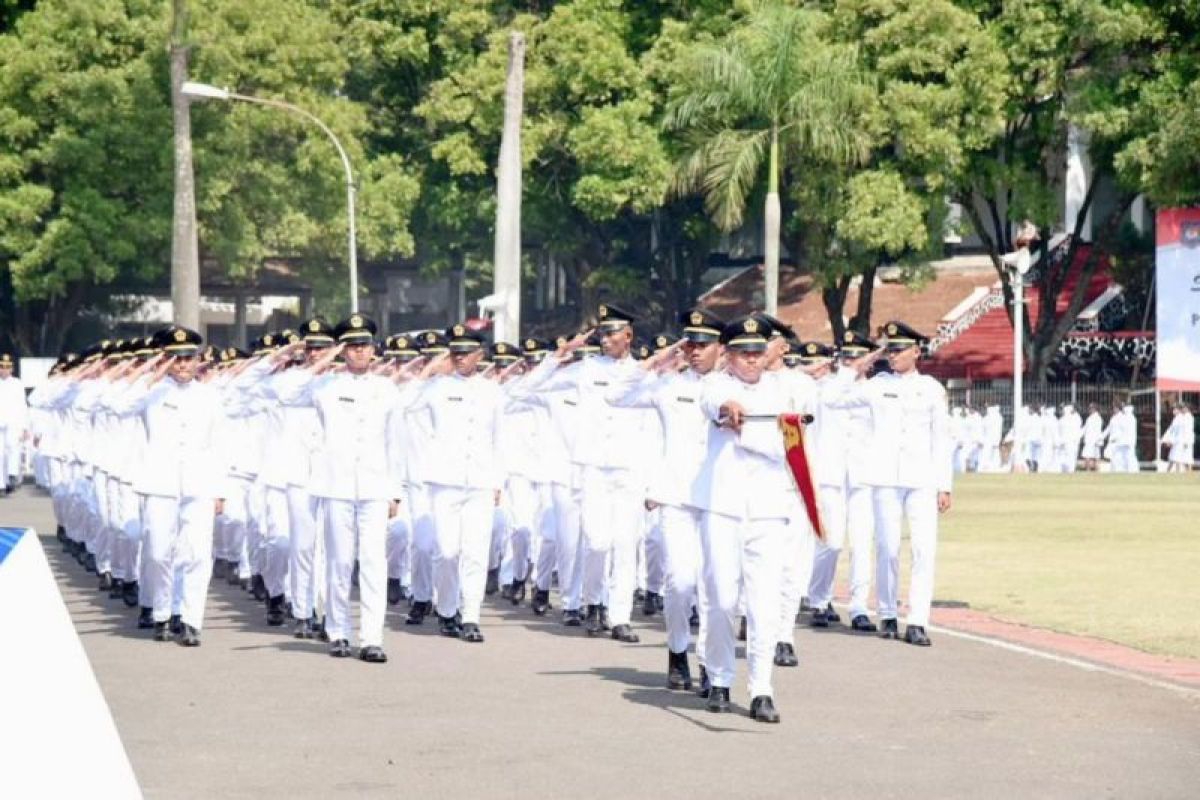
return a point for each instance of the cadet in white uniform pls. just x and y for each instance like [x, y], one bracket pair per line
[464, 475]
[841, 447]
[747, 499]
[1093, 435]
[606, 448]
[910, 470]
[180, 477]
[14, 422]
[675, 397]
[353, 480]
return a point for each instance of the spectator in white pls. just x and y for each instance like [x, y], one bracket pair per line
[958, 432]
[974, 439]
[1049, 430]
[1122, 439]
[993, 434]
[1093, 435]
[1180, 440]
[1070, 429]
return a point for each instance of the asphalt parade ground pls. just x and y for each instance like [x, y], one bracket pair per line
[540, 710]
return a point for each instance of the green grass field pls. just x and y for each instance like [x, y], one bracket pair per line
[1112, 556]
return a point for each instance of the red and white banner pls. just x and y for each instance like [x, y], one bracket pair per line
[796, 453]
[1177, 297]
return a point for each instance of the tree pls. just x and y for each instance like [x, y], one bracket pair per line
[1075, 66]
[773, 87]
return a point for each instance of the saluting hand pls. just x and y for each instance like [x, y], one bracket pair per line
[578, 341]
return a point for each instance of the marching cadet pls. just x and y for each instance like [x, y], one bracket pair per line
[526, 494]
[353, 480]
[841, 448]
[464, 476]
[746, 497]
[652, 569]
[800, 542]
[433, 345]
[181, 480]
[14, 422]
[607, 448]
[675, 397]
[910, 470]
[401, 350]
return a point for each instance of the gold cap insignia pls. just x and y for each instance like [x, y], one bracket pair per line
[848, 337]
[560, 341]
[180, 335]
[268, 340]
[314, 326]
[530, 344]
[603, 311]
[812, 348]
[502, 348]
[751, 326]
[892, 329]
[402, 341]
[356, 321]
[696, 318]
[459, 330]
[662, 341]
[431, 337]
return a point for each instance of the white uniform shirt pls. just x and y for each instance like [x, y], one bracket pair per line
[465, 414]
[910, 438]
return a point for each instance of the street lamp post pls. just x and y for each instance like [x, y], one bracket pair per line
[1019, 261]
[203, 91]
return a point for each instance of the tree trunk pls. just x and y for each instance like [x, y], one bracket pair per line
[834, 300]
[866, 293]
[185, 261]
[771, 222]
[507, 254]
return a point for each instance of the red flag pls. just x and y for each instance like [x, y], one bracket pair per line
[796, 454]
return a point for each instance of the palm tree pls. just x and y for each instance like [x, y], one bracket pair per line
[771, 85]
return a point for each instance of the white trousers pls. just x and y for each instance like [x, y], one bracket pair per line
[422, 546]
[356, 528]
[652, 552]
[611, 517]
[681, 552]
[798, 549]
[744, 554]
[568, 544]
[894, 505]
[304, 516]
[399, 540]
[846, 511]
[178, 541]
[10, 441]
[126, 553]
[545, 530]
[1124, 459]
[238, 514]
[526, 504]
[462, 519]
[276, 541]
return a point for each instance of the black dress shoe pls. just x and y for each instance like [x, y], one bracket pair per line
[258, 587]
[763, 709]
[862, 623]
[105, 583]
[233, 579]
[394, 595]
[541, 602]
[592, 621]
[146, 618]
[694, 619]
[517, 595]
[188, 636]
[819, 618]
[470, 633]
[449, 626]
[116, 589]
[679, 674]
[572, 618]
[417, 612]
[493, 582]
[162, 632]
[318, 626]
[624, 633]
[830, 614]
[373, 654]
[176, 624]
[129, 593]
[340, 649]
[650, 605]
[718, 700]
[89, 562]
[220, 569]
[785, 655]
[639, 596]
[705, 684]
[915, 634]
[275, 615]
[742, 630]
[506, 591]
[60, 533]
[888, 629]
[302, 629]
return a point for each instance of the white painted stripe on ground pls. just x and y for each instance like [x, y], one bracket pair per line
[1079, 663]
